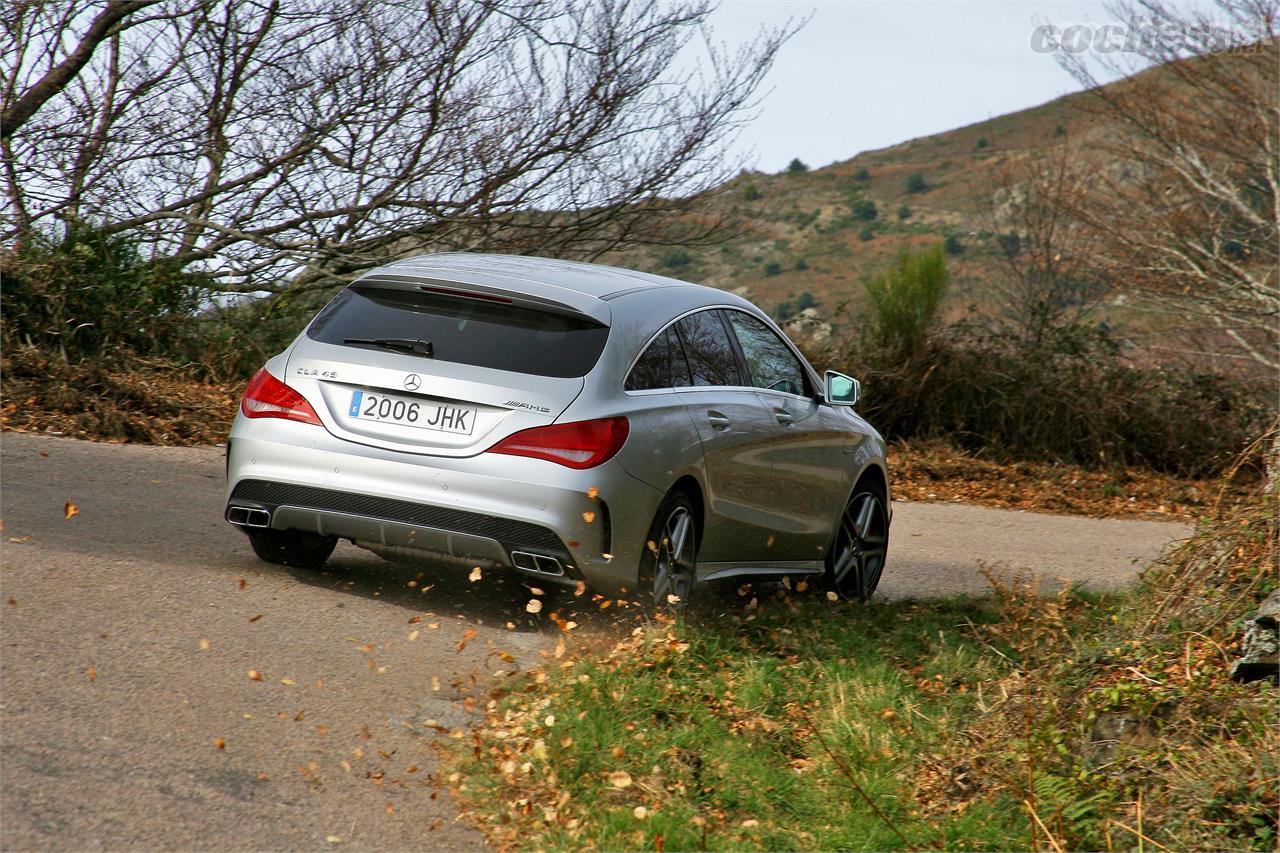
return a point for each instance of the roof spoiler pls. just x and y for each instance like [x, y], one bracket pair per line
[528, 294]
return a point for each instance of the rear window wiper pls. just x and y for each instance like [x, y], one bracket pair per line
[417, 347]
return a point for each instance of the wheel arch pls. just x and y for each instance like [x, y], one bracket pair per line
[690, 486]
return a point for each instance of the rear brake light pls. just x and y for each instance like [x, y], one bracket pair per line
[268, 397]
[581, 444]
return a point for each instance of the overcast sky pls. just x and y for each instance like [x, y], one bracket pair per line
[864, 74]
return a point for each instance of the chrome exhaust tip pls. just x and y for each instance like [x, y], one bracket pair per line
[540, 563]
[246, 516]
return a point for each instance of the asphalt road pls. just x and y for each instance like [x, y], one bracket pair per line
[129, 720]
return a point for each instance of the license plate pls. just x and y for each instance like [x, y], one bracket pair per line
[385, 408]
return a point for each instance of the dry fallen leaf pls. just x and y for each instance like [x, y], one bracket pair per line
[242, 582]
[831, 596]
[640, 812]
[435, 683]
[593, 492]
[288, 682]
[255, 618]
[204, 645]
[476, 574]
[333, 839]
[413, 635]
[801, 586]
[533, 590]
[219, 743]
[769, 543]
[580, 588]
[92, 673]
[620, 779]
[414, 620]
[467, 636]
[588, 516]
[254, 675]
[69, 509]
[534, 606]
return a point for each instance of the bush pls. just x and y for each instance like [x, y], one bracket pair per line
[982, 142]
[864, 209]
[862, 175]
[1010, 244]
[916, 183]
[797, 167]
[952, 245]
[866, 234]
[904, 212]
[90, 294]
[801, 265]
[805, 301]
[904, 301]
[772, 268]
[677, 258]
[1072, 398]
[750, 192]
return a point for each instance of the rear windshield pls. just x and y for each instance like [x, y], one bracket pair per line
[464, 331]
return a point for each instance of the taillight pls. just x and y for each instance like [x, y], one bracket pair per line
[268, 397]
[581, 444]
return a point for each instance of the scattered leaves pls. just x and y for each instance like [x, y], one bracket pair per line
[70, 510]
[467, 636]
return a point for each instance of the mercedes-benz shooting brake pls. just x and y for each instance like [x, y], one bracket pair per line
[571, 422]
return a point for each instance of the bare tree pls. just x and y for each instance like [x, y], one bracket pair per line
[259, 138]
[1189, 209]
[1050, 277]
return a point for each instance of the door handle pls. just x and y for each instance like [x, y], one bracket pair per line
[717, 420]
[784, 417]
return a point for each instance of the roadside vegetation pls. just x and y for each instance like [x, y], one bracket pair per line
[1034, 718]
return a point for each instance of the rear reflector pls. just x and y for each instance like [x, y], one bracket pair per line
[581, 444]
[268, 397]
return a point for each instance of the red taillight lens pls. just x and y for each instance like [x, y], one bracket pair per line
[581, 444]
[268, 397]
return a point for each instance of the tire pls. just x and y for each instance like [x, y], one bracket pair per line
[292, 547]
[668, 566]
[857, 556]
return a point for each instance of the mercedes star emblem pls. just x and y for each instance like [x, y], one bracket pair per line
[413, 382]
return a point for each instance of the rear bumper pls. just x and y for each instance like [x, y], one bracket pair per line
[527, 514]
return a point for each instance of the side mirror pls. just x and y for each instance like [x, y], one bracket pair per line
[841, 390]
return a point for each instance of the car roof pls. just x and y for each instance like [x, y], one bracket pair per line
[592, 280]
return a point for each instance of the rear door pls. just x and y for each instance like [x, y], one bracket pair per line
[440, 373]
[735, 428]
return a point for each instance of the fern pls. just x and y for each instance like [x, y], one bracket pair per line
[1068, 811]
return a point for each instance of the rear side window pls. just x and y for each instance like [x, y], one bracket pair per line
[662, 365]
[770, 361]
[465, 331]
[712, 360]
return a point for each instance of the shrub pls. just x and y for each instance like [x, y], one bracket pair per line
[750, 192]
[862, 175]
[797, 167]
[772, 268]
[904, 212]
[864, 209]
[952, 245]
[982, 142]
[801, 265]
[916, 183]
[804, 301]
[866, 234]
[1010, 244]
[676, 258]
[91, 294]
[904, 301]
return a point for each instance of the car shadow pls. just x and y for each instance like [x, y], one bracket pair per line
[497, 598]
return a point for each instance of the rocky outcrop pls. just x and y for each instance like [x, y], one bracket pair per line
[1261, 645]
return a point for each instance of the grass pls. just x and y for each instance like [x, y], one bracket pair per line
[794, 728]
[1021, 720]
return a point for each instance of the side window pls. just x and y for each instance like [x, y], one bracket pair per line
[653, 369]
[708, 349]
[771, 362]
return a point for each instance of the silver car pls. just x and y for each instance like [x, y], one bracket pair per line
[568, 421]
